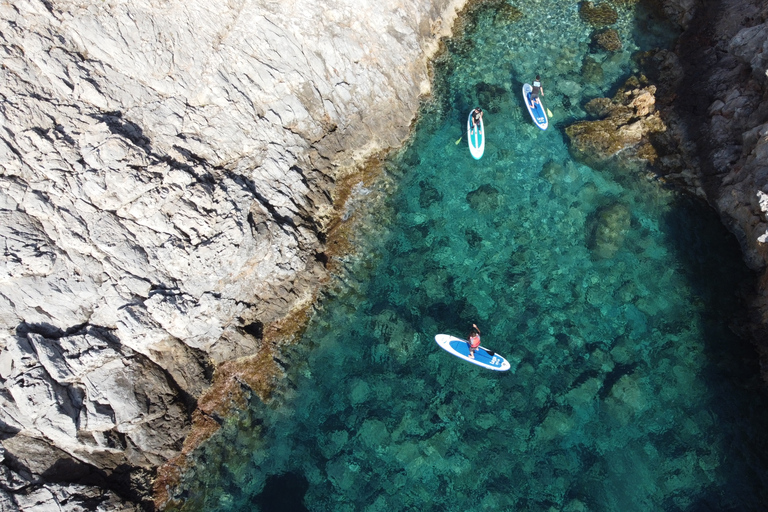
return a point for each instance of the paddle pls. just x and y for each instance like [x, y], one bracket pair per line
[549, 113]
[457, 142]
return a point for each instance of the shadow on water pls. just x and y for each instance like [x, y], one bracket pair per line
[721, 280]
[282, 493]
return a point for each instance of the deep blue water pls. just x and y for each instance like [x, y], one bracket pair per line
[611, 294]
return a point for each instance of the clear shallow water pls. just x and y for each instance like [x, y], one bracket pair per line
[609, 294]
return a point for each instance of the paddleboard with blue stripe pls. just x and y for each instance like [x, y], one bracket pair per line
[476, 137]
[483, 357]
[538, 114]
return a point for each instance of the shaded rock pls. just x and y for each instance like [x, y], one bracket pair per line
[611, 225]
[484, 199]
[600, 15]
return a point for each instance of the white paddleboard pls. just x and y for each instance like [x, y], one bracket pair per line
[476, 138]
[483, 357]
[537, 112]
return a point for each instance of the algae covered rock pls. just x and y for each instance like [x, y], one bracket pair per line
[484, 199]
[600, 15]
[507, 14]
[607, 40]
[552, 171]
[592, 71]
[630, 119]
[610, 229]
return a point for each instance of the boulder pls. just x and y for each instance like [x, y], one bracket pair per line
[628, 121]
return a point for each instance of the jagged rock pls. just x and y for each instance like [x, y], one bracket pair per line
[631, 118]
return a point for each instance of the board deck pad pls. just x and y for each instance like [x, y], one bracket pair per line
[483, 357]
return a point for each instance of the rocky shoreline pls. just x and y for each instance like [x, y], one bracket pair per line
[170, 175]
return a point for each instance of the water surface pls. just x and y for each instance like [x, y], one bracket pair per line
[610, 294]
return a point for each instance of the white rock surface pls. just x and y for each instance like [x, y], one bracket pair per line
[166, 172]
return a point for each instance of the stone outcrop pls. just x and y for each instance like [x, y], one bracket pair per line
[624, 126]
[168, 173]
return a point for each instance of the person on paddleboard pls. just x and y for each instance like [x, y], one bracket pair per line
[477, 116]
[474, 340]
[536, 91]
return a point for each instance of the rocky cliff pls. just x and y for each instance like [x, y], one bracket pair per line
[168, 174]
[715, 98]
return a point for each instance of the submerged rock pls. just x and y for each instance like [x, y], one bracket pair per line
[506, 14]
[484, 199]
[607, 40]
[592, 71]
[611, 227]
[491, 97]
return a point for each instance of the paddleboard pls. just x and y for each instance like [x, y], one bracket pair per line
[483, 357]
[537, 113]
[476, 138]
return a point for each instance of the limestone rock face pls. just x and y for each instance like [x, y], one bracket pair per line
[167, 171]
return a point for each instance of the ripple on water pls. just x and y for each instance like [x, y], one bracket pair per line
[610, 296]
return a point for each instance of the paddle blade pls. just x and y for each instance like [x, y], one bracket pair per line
[549, 113]
[457, 142]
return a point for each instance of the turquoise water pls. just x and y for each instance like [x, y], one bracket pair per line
[610, 294]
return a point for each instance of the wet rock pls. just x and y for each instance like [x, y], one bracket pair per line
[599, 15]
[610, 229]
[631, 119]
[599, 107]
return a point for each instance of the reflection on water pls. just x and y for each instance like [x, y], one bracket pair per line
[609, 294]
